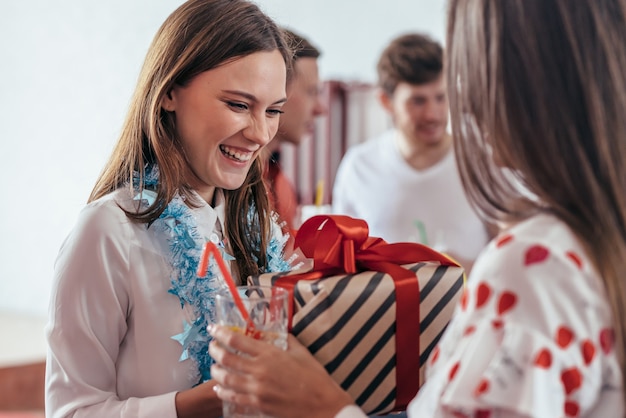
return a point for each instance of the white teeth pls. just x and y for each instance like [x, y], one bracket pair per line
[236, 155]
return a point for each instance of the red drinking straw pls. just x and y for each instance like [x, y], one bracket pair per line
[208, 249]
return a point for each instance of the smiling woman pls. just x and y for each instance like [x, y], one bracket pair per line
[225, 116]
[185, 170]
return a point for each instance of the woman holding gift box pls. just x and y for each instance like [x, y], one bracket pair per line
[537, 92]
[127, 332]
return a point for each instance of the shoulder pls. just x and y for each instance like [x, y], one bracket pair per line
[538, 273]
[99, 244]
[366, 158]
[104, 217]
[370, 148]
[111, 205]
[532, 244]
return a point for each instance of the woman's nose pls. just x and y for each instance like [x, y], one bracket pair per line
[258, 131]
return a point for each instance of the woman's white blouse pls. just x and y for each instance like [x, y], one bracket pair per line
[111, 318]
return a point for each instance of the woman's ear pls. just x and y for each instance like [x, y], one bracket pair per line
[384, 99]
[167, 102]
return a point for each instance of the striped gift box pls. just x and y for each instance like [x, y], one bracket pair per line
[349, 322]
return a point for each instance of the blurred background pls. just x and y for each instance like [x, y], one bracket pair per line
[68, 68]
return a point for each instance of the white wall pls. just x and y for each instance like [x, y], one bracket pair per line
[68, 68]
[352, 33]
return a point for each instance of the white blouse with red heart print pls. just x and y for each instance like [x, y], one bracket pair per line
[531, 337]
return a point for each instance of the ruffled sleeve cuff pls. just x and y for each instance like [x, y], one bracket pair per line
[157, 406]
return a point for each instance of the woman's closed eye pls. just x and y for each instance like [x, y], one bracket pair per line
[242, 107]
[239, 106]
[274, 112]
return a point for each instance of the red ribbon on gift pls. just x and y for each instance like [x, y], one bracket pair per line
[341, 244]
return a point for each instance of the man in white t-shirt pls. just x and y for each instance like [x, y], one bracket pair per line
[405, 183]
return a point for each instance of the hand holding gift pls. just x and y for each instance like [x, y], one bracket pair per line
[370, 312]
[278, 383]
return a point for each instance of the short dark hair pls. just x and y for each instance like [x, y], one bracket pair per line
[412, 58]
[301, 46]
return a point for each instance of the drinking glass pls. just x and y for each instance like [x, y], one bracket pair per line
[267, 310]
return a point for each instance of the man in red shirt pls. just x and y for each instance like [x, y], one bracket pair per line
[298, 122]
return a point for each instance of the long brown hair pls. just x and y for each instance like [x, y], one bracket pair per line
[540, 85]
[196, 37]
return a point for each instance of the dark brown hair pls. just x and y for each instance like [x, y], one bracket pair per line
[301, 46]
[540, 85]
[411, 58]
[196, 37]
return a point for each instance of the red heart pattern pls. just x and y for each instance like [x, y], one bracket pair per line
[588, 351]
[543, 359]
[482, 294]
[575, 258]
[571, 409]
[482, 387]
[464, 298]
[469, 330]
[435, 355]
[453, 370]
[507, 302]
[572, 380]
[536, 254]
[607, 339]
[564, 336]
[504, 239]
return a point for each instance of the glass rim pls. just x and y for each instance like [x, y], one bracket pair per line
[274, 291]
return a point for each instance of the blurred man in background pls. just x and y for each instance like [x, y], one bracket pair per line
[405, 183]
[297, 122]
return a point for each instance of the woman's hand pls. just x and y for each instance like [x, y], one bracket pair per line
[280, 383]
[199, 402]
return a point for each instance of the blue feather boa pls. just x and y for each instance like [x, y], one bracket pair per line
[185, 243]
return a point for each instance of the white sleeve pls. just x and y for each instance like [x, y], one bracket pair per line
[89, 306]
[351, 411]
[341, 196]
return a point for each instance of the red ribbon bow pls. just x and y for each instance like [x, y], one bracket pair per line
[341, 244]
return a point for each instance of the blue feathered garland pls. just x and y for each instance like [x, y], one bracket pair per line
[185, 243]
